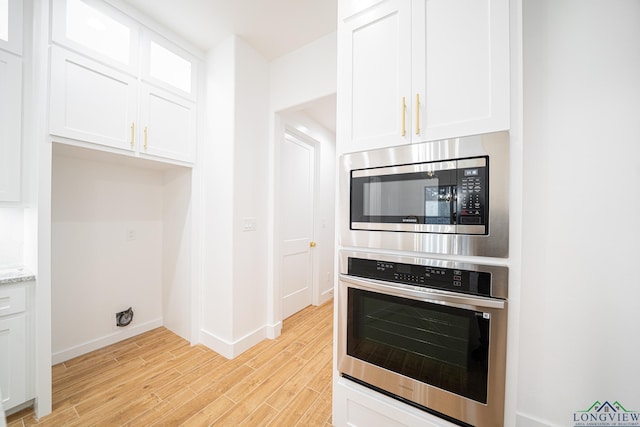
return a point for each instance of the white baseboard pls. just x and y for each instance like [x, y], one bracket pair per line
[326, 296]
[274, 331]
[524, 420]
[232, 349]
[95, 344]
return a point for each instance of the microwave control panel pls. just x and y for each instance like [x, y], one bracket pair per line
[471, 194]
[456, 280]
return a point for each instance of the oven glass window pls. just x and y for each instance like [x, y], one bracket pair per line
[442, 346]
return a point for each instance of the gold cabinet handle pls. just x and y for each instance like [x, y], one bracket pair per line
[312, 244]
[404, 116]
[417, 114]
[133, 130]
[145, 138]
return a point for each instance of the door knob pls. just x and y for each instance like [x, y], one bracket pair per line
[312, 244]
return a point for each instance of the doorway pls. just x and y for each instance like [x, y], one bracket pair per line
[297, 219]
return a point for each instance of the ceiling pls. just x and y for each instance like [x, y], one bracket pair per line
[271, 27]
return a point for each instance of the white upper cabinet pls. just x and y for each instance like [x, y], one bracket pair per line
[375, 86]
[95, 29]
[167, 124]
[11, 25]
[92, 102]
[420, 70]
[460, 54]
[167, 66]
[10, 127]
[117, 84]
[11, 100]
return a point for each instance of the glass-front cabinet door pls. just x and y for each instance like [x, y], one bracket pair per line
[95, 29]
[169, 67]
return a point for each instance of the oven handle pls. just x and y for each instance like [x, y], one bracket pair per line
[425, 294]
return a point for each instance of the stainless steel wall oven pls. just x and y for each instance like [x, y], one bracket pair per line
[429, 332]
[448, 197]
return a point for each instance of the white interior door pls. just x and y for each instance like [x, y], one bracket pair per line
[296, 223]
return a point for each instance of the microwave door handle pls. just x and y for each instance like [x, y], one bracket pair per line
[425, 294]
[453, 204]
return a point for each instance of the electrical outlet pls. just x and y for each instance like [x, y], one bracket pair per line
[248, 224]
[131, 234]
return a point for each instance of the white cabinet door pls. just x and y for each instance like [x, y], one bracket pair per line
[375, 49]
[13, 361]
[11, 12]
[10, 126]
[169, 67]
[167, 125]
[422, 70]
[97, 30]
[91, 102]
[460, 67]
[348, 8]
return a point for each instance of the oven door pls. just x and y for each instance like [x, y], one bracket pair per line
[441, 351]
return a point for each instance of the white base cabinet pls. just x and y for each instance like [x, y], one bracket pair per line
[15, 346]
[358, 406]
[416, 70]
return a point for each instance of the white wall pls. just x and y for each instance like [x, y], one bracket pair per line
[250, 190]
[216, 163]
[233, 163]
[297, 80]
[37, 192]
[304, 75]
[11, 237]
[244, 92]
[578, 334]
[326, 213]
[96, 270]
[176, 251]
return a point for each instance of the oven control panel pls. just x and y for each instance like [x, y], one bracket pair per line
[465, 281]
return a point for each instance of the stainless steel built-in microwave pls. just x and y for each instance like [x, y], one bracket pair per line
[444, 197]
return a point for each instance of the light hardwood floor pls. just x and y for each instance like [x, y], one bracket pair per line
[157, 378]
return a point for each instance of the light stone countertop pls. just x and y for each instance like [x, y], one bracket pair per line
[15, 275]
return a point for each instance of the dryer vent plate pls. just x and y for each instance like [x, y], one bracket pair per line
[123, 318]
